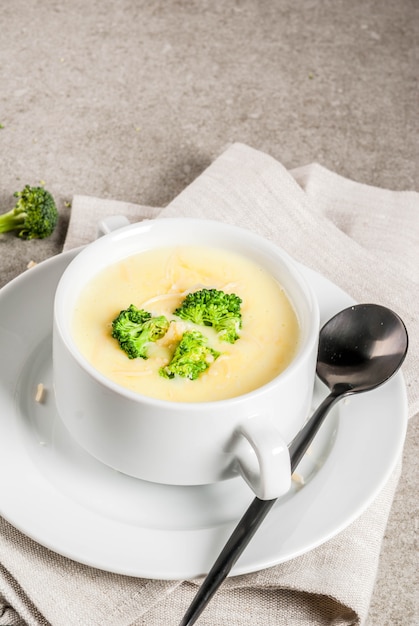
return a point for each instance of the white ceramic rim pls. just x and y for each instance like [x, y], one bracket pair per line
[66, 283]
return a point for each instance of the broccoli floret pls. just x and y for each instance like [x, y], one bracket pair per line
[211, 307]
[192, 357]
[34, 215]
[135, 328]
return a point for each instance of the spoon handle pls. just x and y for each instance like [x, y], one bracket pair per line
[252, 519]
[239, 539]
[299, 445]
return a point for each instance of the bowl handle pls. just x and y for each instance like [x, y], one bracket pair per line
[109, 224]
[262, 457]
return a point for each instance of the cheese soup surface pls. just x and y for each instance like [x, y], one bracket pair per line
[157, 281]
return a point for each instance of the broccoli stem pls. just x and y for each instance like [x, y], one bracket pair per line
[11, 220]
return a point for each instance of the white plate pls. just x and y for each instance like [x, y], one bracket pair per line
[62, 498]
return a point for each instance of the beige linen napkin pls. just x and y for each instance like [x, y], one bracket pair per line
[364, 239]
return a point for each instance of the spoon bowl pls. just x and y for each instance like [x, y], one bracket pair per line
[360, 348]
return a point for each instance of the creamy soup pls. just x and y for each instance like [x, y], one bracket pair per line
[157, 281]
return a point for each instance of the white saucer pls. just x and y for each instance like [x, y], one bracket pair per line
[62, 498]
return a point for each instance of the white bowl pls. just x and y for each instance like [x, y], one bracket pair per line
[180, 442]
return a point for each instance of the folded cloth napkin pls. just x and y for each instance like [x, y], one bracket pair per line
[362, 238]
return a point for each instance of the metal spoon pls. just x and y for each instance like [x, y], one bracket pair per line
[360, 348]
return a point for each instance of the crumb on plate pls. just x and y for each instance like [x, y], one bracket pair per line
[40, 393]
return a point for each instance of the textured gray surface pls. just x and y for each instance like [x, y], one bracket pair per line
[131, 100]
